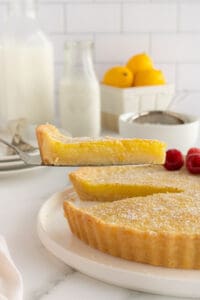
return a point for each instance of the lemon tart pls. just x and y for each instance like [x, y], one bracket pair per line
[159, 224]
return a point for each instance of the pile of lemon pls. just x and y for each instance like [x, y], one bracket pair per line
[139, 71]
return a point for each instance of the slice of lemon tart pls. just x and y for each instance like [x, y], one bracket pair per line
[118, 182]
[58, 149]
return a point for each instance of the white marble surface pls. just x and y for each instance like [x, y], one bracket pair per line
[45, 277]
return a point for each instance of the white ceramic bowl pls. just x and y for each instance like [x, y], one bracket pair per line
[181, 136]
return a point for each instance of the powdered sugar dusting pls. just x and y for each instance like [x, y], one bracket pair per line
[176, 213]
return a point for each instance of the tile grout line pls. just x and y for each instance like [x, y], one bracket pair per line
[178, 15]
[65, 15]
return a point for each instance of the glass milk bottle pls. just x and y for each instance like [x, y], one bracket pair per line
[26, 67]
[79, 99]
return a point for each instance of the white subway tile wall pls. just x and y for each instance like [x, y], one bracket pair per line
[169, 30]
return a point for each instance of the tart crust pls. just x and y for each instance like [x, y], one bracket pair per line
[161, 230]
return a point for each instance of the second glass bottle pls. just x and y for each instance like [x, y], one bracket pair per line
[79, 99]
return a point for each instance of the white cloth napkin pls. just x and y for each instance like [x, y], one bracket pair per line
[11, 286]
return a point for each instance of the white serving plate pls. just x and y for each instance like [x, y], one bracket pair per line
[56, 236]
[17, 171]
[8, 158]
[13, 163]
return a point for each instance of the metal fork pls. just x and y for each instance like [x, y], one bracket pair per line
[29, 160]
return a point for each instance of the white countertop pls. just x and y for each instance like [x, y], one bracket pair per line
[44, 276]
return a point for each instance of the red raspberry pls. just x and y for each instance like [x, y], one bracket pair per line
[174, 160]
[193, 163]
[193, 151]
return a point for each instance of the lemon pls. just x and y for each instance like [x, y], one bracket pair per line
[139, 62]
[149, 77]
[118, 76]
